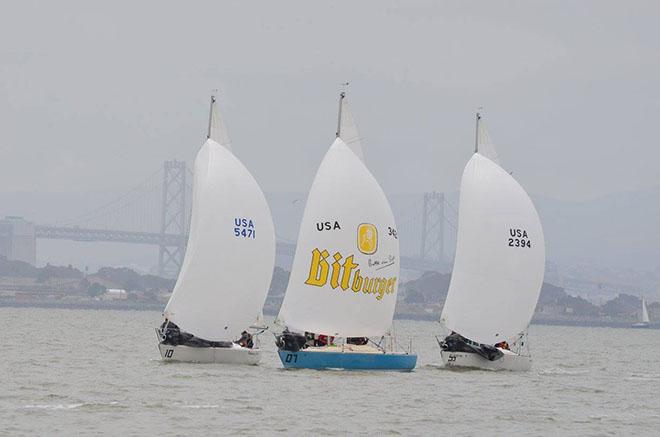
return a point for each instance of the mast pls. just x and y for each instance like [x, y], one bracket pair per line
[208, 131]
[342, 95]
[476, 133]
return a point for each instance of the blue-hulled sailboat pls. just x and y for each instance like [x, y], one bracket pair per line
[340, 300]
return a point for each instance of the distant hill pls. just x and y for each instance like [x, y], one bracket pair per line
[18, 274]
[17, 269]
[426, 296]
[421, 298]
[128, 279]
[432, 288]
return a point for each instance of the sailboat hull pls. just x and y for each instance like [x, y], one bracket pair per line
[640, 325]
[305, 359]
[228, 355]
[509, 361]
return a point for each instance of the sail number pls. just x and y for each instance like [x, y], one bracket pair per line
[169, 353]
[244, 227]
[519, 238]
[391, 231]
[291, 358]
[518, 242]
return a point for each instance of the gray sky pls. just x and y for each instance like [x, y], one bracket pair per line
[94, 96]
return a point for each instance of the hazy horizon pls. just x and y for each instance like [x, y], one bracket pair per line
[95, 97]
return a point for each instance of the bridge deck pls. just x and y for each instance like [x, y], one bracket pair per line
[170, 240]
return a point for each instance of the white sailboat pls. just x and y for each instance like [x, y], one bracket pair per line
[498, 268]
[644, 321]
[345, 271]
[229, 261]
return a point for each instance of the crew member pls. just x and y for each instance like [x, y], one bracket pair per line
[246, 340]
[502, 345]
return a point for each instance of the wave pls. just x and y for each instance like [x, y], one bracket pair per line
[559, 371]
[54, 406]
[72, 406]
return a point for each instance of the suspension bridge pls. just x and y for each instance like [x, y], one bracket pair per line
[156, 212]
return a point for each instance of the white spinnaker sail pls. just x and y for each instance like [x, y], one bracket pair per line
[645, 312]
[347, 215]
[348, 130]
[500, 256]
[229, 262]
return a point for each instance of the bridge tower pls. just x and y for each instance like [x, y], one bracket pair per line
[173, 218]
[433, 217]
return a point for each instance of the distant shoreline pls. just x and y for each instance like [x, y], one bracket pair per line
[133, 306]
[121, 306]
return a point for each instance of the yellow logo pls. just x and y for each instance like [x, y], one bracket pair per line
[367, 238]
[345, 275]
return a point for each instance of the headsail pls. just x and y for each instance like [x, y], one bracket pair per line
[346, 128]
[230, 257]
[500, 256]
[345, 272]
[645, 312]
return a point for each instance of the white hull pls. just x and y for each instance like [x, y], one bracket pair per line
[228, 355]
[509, 361]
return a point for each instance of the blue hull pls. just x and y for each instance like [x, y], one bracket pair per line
[346, 360]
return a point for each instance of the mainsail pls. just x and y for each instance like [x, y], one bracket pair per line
[484, 143]
[645, 312]
[230, 256]
[500, 256]
[346, 267]
[347, 130]
[217, 130]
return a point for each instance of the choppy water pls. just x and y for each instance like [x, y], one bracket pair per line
[85, 371]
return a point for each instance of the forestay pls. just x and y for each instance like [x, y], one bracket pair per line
[500, 256]
[346, 267]
[230, 257]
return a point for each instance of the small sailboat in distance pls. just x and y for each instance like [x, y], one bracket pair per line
[644, 321]
[229, 261]
[343, 283]
[498, 267]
